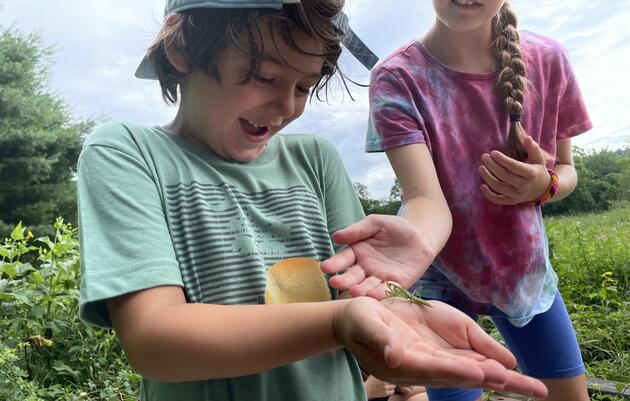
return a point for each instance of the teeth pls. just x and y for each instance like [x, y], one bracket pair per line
[256, 125]
[465, 2]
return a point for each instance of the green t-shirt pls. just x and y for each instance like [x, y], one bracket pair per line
[156, 210]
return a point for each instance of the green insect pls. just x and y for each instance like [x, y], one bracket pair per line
[394, 290]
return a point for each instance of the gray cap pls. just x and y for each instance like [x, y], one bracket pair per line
[147, 70]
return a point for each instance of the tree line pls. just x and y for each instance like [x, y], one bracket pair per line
[40, 141]
[603, 183]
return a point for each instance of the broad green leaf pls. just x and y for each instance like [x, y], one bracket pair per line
[17, 233]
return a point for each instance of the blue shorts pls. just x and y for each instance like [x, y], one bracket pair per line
[545, 348]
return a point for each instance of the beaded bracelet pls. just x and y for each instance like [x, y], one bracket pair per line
[551, 191]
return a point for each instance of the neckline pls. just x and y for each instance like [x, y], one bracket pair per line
[473, 76]
[268, 155]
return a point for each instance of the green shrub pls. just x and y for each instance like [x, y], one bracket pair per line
[46, 352]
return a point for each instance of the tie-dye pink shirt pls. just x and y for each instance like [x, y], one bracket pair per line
[496, 255]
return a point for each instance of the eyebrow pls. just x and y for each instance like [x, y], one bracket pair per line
[275, 60]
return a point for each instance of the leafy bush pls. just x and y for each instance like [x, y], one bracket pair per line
[46, 352]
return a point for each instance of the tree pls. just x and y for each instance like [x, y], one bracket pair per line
[375, 206]
[39, 139]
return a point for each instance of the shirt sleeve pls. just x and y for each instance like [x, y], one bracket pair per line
[124, 238]
[394, 117]
[573, 118]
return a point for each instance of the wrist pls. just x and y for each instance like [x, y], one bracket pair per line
[552, 188]
[350, 317]
[338, 319]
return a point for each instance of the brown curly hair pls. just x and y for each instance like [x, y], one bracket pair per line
[202, 35]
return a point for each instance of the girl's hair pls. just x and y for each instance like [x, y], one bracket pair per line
[202, 35]
[511, 81]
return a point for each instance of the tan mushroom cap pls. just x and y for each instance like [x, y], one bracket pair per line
[296, 280]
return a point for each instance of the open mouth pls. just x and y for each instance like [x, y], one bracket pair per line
[467, 4]
[256, 132]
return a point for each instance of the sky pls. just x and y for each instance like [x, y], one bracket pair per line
[99, 43]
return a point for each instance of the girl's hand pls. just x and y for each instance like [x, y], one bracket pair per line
[406, 344]
[379, 248]
[375, 388]
[509, 181]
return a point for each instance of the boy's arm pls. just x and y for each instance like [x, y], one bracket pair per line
[167, 339]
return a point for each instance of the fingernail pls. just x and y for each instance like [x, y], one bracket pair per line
[386, 352]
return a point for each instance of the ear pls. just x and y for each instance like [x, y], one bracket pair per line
[173, 54]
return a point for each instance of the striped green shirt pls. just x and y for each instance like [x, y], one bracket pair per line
[157, 210]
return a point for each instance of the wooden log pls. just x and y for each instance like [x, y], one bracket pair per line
[594, 385]
[601, 386]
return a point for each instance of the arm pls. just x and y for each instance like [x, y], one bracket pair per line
[167, 339]
[565, 169]
[393, 248]
[425, 206]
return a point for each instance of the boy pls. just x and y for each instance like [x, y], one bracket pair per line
[179, 224]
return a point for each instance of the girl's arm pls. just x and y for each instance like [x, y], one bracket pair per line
[392, 248]
[424, 203]
[564, 169]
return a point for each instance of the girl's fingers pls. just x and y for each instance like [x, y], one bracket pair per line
[353, 276]
[339, 262]
[380, 292]
[514, 166]
[501, 172]
[363, 229]
[534, 153]
[365, 286]
[496, 198]
[496, 185]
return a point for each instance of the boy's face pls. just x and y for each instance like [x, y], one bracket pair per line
[237, 120]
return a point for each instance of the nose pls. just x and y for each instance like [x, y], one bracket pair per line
[284, 102]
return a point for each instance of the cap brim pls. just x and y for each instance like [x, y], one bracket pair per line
[146, 69]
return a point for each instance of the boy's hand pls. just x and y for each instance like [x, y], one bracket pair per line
[509, 181]
[407, 344]
[379, 248]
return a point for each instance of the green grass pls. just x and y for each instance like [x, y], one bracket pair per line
[591, 254]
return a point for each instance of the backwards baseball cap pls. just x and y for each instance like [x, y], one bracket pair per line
[147, 70]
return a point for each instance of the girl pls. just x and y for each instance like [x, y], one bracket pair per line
[179, 223]
[476, 120]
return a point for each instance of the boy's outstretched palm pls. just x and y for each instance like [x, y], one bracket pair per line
[407, 344]
[379, 248]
